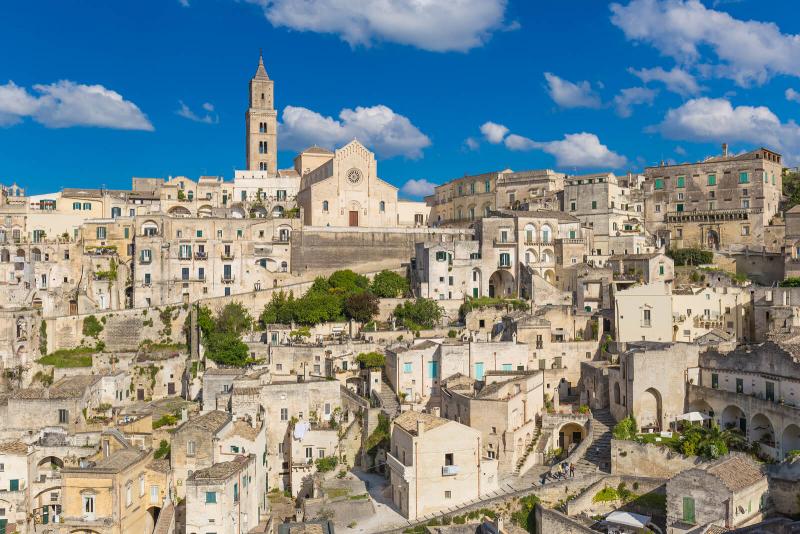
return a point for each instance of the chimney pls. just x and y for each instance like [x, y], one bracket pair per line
[724, 150]
[184, 415]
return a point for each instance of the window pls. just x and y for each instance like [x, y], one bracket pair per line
[448, 458]
[659, 184]
[433, 369]
[126, 232]
[744, 178]
[573, 206]
[714, 381]
[76, 206]
[407, 368]
[745, 203]
[147, 279]
[101, 232]
[658, 208]
[284, 414]
[235, 492]
[382, 206]
[128, 494]
[185, 273]
[661, 269]
[88, 505]
[645, 317]
[185, 252]
[505, 259]
[190, 448]
[448, 494]
[712, 179]
[325, 205]
[211, 497]
[87, 206]
[739, 385]
[141, 485]
[63, 416]
[745, 230]
[681, 181]
[679, 208]
[594, 204]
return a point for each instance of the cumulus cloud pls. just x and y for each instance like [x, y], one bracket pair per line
[209, 118]
[792, 95]
[470, 143]
[493, 132]
[571, 95]
[65, 104]
[388, 133]
[434, 25]
[716, 119]
[575, 150]
[418, 188]
[677, 80]
[749, 52]
[633, 96]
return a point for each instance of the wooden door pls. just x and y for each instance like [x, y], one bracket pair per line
[353, 218]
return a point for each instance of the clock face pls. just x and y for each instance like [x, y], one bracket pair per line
[354, 176]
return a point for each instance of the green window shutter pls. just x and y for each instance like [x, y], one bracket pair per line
[659, 183]
[679, 207]
[712, 179]
[681, 181]
[744, 178]
[688, 510]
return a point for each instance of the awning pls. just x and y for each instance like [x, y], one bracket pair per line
[628, 519]
[693, 417]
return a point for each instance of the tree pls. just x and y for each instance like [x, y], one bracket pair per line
[92, 327]
[389, 284]
[347, 281]
[361, 306]
[371, 360]
[418, 314]
[691, 256]
[279, 310]
[227, 349]
[318, 307]
[233, 318]
[626, 429]
[205, 320]
[791, 188]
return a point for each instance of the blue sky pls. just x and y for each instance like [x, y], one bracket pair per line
[93, 93]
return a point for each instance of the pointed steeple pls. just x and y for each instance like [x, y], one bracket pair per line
[261, 72]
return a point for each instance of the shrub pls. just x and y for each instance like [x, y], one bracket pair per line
[388, 284]
[69, 358]
[690, 256]
[626, 429]
[326, 464]
[361, 307]
[418, 314]
[163, 450]
[371, 360]
[452, 334]
[227, 349]
[92, 327]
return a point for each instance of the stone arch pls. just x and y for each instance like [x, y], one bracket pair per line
[237, 212]
[149, 228]
[531, 234]
[617, 394]
[569, 434]
[712, 239]
[258, 212]
[531, 257]
[702, 406]
[649, 412]
[790, 439]
[277, 211]
[152, 517]
[733, 418]
[486, 209]
[179, 211]
[36, 254]
[204, 211]
[550, 276]
[547, 256]
[21, 253]
[501, 284]
[762, 430]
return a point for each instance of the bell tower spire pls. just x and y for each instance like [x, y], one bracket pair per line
[261, 121]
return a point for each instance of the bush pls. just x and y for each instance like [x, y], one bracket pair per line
[348, 281]
[92, 327]
[418, 314]
[69, 358]
[233, 318]
[626, 429]
[524, 517]
[388, 284]
[371, 360]
[792, 281]
[163, 450]
[361, 307]
[326, 464]
[477, 303]
[691, 256]
[227, 349]
[452, 334]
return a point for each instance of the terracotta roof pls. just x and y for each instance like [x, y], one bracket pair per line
[737, 472]
[222, 470]
[408, 421]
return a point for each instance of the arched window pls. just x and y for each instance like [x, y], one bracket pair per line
[530, 233]
[325, 205]
[545, 234]
[472, 214]
[382, 206]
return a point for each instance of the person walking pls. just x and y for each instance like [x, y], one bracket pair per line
[572, 470]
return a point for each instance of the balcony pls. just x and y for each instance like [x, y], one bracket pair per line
[397, 466]
[703, 321]
[228, 279]
[508, 243]
[281, 240]
[229, 255]
[542, 243]
[449, 470]
[712, 215]
[502, 265]
[201, 255]
[145, 260]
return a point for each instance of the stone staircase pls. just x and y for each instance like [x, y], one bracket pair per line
[388, 400]
[528, 449]
[166, 520]
[597, 457]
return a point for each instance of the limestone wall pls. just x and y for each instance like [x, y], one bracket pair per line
[637, 459]
[584, 503]
[548, 520]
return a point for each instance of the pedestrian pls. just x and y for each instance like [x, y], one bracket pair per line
[572, 470]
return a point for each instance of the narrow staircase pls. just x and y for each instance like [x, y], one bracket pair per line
[597, 457]
[528, 449]
[388, 400]
[166, 520]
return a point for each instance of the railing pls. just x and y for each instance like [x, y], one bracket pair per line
[398, 467]
[228, 279]
[146, 261]
[227, 255]
[280, 239]
[712, 215]
[500, 242]
[503, 265]
[201, 255]
[541, 243]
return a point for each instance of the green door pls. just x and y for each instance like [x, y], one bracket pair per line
[3, 523]
[13, 485]
[688, 510]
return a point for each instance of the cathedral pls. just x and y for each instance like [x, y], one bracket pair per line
[339, 188]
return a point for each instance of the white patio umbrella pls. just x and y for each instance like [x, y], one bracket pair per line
[693, 417]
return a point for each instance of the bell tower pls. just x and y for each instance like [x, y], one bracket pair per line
[262, 123]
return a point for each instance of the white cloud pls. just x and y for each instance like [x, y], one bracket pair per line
[680, 150]
[493, 132]
[747, 51]
[575, 150]
[571, 95]
[186, 112]
[434, 25]
[64, 104]
[418, 188]
[633, 96]
[388, 133]
[717, 120]
[184, 3]
[677, 80]
[792, 95]
[470, 143]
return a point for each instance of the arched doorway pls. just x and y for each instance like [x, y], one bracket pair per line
[617, 394]
[702, 407]
[733, 418]
[649, 413]
[550, 276]
[277, 212]
[179, 211]
[570, 435]
[476, 283]
[501, 284]
[790, 439]
[152, 518]
[713, 239]
[762, 431]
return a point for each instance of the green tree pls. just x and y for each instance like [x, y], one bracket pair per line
[791, 188]
[389, 284]
[419, 313]
[227, 349]
[626, 429]
[92, 327]
[348, 281]
[691, 256]
[371, 360]
[205, 320]
[279, 310]
[361, 307]
[233, 318]
[318, 307]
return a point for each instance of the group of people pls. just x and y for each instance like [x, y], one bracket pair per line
[564, 470]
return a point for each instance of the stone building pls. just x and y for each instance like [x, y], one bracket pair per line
[435, 464]
[261, 123]
[195, 445]
[722, 202]
[504, 408]
[729, 493]
[223, 496]
[63, 404]
[15, 482]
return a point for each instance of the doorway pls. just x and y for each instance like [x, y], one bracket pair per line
[353, 218]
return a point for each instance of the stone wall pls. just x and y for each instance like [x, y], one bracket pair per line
[584, 503]
[548, 520]
[321, 248]
[784, 487]
[638, 459]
